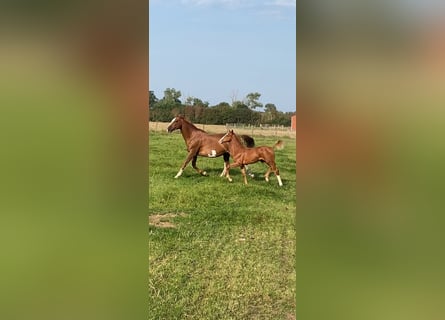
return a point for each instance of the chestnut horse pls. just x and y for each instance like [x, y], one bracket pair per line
[243, 156]
[200, 143]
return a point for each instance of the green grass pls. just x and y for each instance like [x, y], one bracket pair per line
[233, 255]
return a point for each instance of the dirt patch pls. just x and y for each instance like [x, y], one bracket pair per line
[164, 220]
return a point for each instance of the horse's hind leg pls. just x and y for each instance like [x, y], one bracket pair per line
[276, 171]
[226, 157]
[266, 175]
[201, 172]
[249, 172]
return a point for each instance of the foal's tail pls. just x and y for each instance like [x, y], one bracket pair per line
[279, 145]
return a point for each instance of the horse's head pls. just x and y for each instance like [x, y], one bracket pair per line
[227, 137]
[175, 124]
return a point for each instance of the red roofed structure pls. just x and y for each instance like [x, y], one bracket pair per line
[293, 122]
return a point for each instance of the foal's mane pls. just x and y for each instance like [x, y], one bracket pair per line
[238, 139]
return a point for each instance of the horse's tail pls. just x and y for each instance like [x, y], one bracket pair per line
[248, 141]
[279, 145]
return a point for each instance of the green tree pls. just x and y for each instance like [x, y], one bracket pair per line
[270, 113]
[239, 104]
[152, 100]
[194, 108]
[172, 95]
[193, 101]
[252, 100]
[167, 107]
[199, 112]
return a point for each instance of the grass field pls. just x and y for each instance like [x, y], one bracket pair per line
[220, 250]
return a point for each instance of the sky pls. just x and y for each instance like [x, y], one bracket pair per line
[219, 50]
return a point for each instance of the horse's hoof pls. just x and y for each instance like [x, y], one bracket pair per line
[204, 173]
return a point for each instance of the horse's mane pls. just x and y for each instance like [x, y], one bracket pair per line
[191, 124]
[248, 141]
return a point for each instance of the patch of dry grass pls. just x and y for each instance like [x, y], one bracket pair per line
[164, 220]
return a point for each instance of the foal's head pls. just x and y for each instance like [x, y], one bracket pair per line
[175, 124]
[227, 137]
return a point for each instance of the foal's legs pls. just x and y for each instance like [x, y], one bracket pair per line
[233, 165]
[266, 175]
[276, 171]
[249, 172]
[243, 171]
[277, 174]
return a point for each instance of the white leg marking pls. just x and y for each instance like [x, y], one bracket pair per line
[267, 179]
[213, 154]
[179, 173]
[249, 172]
[279, 181]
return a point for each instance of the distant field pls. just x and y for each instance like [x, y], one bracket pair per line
[220, 250]
[211, 128]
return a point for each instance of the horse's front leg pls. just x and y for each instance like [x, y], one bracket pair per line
[249, 172]
[243, 171]
[227, 172]
[189, 157]
[231, 165]
[201, 172]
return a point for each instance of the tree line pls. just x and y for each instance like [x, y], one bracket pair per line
[198, 111]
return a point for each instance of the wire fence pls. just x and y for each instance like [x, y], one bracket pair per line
[239, 128]
[259, 127]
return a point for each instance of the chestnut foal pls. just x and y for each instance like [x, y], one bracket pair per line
[243, 156]
[200, 143]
